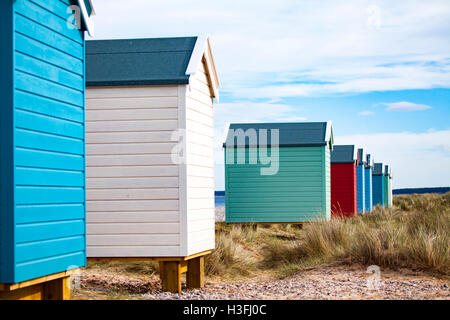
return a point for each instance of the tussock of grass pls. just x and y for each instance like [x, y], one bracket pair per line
[414, 234]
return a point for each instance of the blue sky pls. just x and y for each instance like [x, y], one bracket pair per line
[380, 70]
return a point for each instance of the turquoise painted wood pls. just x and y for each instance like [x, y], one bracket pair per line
[386, 190]
[360, 193]
[299, 192]
[378, 190]
[368, 190]
[42, 166]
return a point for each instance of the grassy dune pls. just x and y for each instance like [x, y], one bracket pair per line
[413, 234]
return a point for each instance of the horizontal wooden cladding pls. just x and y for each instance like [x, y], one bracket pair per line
[132, 126]
[132, 251]
[39, 68]
[132, 240]
[48, 160]
[199, 226]
[108, 103]
[200, 182]
[45, 88]
[198, 193]
[132, 194]
[200, 160]
[131, 114]
[41, 10]
[32, 121]
[133, 217]
[197, 117]
[48, 230]
[131, 92]
[206, 203]
[132, 228]
[200, 150]
[118, 183]
[131, 205]
[130, 148]
[132, 171]
[130, 137]
[49, 195]
[48, 177]
[48, 106]
[43, 267]
[49, 248]
[48, 212]
[129, 160]
[199, 171]
[34, 48]
[201, 214]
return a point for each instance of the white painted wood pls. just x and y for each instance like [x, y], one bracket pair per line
[133, 217]
[131, 92]
[140, 203]
[108, 103]
[133, 239]
[132, 194]
[133, 251]
[129, 137]
[118, 183]
[130, 148]
[132, 171]
[132, 228]
[132, 114]
[131, 205]
[135, 126]
[127, 160]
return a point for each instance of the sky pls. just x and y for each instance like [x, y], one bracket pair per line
[379, 70]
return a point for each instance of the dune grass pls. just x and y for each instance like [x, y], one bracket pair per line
[412, 234]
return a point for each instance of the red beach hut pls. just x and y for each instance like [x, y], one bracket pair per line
[343, 181]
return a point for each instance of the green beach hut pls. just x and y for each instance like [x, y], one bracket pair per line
[278, 172]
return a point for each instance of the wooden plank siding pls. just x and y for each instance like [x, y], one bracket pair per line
[298, 192]
[133, 207]
[200, 163]
[49, 216]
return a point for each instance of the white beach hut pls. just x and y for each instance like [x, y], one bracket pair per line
[149, 153]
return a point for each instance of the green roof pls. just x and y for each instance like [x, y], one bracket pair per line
[156, 61]
[300, 134]
[343, 154]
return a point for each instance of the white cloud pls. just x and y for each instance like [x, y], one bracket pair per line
[264, 48]
[417, 159]
[366, 113]
[405, 106]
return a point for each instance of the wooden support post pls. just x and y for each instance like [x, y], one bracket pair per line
[58, 289]
[171, 276]
[27, 293]
[195, 277]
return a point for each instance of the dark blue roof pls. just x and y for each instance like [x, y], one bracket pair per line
[378, 169]
[158, 61]
[343, 154]
[290, 134]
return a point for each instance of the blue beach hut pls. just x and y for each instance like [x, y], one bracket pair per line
[360, 194]
[42, 194]
[368, 184]
[378, 184]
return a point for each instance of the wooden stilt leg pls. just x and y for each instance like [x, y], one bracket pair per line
[58, 289]
[195, 276]
[28, 293]
[172, 276]
[161, 271]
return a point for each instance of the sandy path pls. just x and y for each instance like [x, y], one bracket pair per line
[323, 282]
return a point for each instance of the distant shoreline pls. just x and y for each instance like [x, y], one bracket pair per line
[405, 191]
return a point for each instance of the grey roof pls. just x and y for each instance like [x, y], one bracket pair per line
[290, 134]
[157, 61]
[343, 154]
[378, 169]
